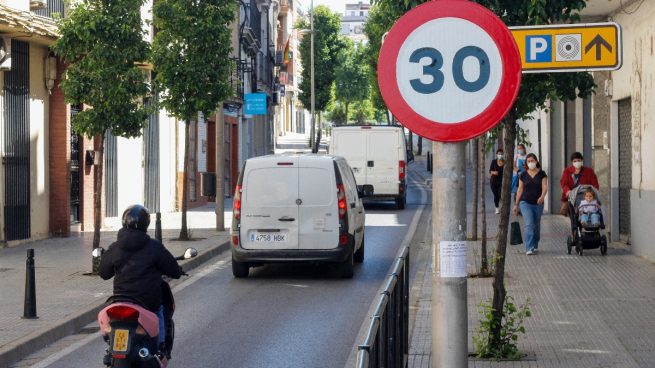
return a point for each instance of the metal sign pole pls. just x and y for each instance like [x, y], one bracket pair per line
[449, 276]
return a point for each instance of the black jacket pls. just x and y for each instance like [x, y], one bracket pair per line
[138, 262]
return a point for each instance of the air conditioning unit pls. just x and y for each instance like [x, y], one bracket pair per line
[5, 53]
[38, 4]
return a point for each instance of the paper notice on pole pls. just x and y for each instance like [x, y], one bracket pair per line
[453, 258]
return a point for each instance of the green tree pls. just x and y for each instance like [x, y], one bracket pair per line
[190, 55]
[102, 42]
[351, 75]
[540, 89]
[326, 48]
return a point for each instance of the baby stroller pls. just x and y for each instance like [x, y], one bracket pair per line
[588, 236]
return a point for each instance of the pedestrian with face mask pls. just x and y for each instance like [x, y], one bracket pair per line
[530, 198]
[519, 167]
[496, 176]
[574, 175]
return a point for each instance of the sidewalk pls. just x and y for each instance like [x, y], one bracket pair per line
[66, 298]
[589, 311]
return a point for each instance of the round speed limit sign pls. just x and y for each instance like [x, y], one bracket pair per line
[449, 70]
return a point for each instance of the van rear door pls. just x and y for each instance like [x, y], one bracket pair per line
[383, 146]
[317, 212]
[269, 212]
[351, 144]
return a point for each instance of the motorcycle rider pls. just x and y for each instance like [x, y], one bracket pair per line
[137, 263]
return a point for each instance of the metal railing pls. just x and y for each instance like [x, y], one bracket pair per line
[387, 341]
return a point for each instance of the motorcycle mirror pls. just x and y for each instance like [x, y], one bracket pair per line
[190, 253]
[97, 252]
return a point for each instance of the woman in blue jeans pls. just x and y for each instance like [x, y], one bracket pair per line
[533, 186]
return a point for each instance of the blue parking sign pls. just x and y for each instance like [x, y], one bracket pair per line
[539, 49]
[255, 104]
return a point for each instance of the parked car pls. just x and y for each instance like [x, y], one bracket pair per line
[297, 207]
[378, 157]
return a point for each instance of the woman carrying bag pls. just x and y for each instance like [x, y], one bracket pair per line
[530, 197]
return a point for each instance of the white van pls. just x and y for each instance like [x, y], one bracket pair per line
[297, 207]
[378, 156]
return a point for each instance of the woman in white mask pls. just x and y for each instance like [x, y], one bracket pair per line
[530, 197]
[573, 176]
[519, 167]
[496, 176]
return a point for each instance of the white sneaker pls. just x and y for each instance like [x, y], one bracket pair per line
[529, 253]
[497, 211]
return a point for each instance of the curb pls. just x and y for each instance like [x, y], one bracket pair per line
[19, 349]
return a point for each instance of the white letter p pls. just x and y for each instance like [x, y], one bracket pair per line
[537, 46]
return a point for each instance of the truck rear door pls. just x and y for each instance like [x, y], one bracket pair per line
[382, 165]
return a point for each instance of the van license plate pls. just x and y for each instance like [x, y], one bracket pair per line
[121, 337]
[268, 238]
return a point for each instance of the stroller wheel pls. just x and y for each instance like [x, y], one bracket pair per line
[578, 247]
[603, 245]
[569, 244]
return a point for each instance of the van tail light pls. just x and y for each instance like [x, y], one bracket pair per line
[235, 240]
[122, 313]
[237, 203]
[401, 170]
[341, 197]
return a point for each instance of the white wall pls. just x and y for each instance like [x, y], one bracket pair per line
[167, 160]
[23, 5]
[130, 172]
[635, 80]
[39, 143]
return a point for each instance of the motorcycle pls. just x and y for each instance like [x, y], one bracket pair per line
[132, 331]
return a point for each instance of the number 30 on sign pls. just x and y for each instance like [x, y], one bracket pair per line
[449, 70]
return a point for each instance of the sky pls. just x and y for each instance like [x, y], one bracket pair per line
[337, 6]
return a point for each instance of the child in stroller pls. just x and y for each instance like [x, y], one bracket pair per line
[587, 223]
[589, 211]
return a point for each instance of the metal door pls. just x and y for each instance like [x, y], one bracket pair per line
[111, 175]
[16, 159]
[151, 161]
[625, 167]
[75, 172]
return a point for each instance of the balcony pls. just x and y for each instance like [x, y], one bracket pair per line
[47, 8]
[252, 31]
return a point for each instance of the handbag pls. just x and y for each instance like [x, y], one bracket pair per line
[564, 209]
[515, 233]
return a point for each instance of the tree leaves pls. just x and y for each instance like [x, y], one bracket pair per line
[190, 53]
[101, 42]
[326, 48]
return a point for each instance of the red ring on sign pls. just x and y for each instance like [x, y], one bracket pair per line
[499, 106]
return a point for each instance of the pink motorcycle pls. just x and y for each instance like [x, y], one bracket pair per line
[132, 331]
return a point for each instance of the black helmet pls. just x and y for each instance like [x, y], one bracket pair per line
[136, 217]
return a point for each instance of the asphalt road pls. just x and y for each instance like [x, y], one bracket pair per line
[280, 316]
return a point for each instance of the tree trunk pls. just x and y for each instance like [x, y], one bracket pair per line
[97, 203]
[501, 242]
[476, 185]
[419, 149]
[484, 262]
[347, 106]
[184, 232]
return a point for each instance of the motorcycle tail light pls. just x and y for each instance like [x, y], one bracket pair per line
[121, 313]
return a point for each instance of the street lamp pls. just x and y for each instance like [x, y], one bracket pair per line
[311, 22]
[311, 68]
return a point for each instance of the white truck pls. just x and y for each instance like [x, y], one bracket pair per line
[378, 157]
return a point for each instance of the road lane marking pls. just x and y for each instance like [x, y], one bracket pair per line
[195, 277]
